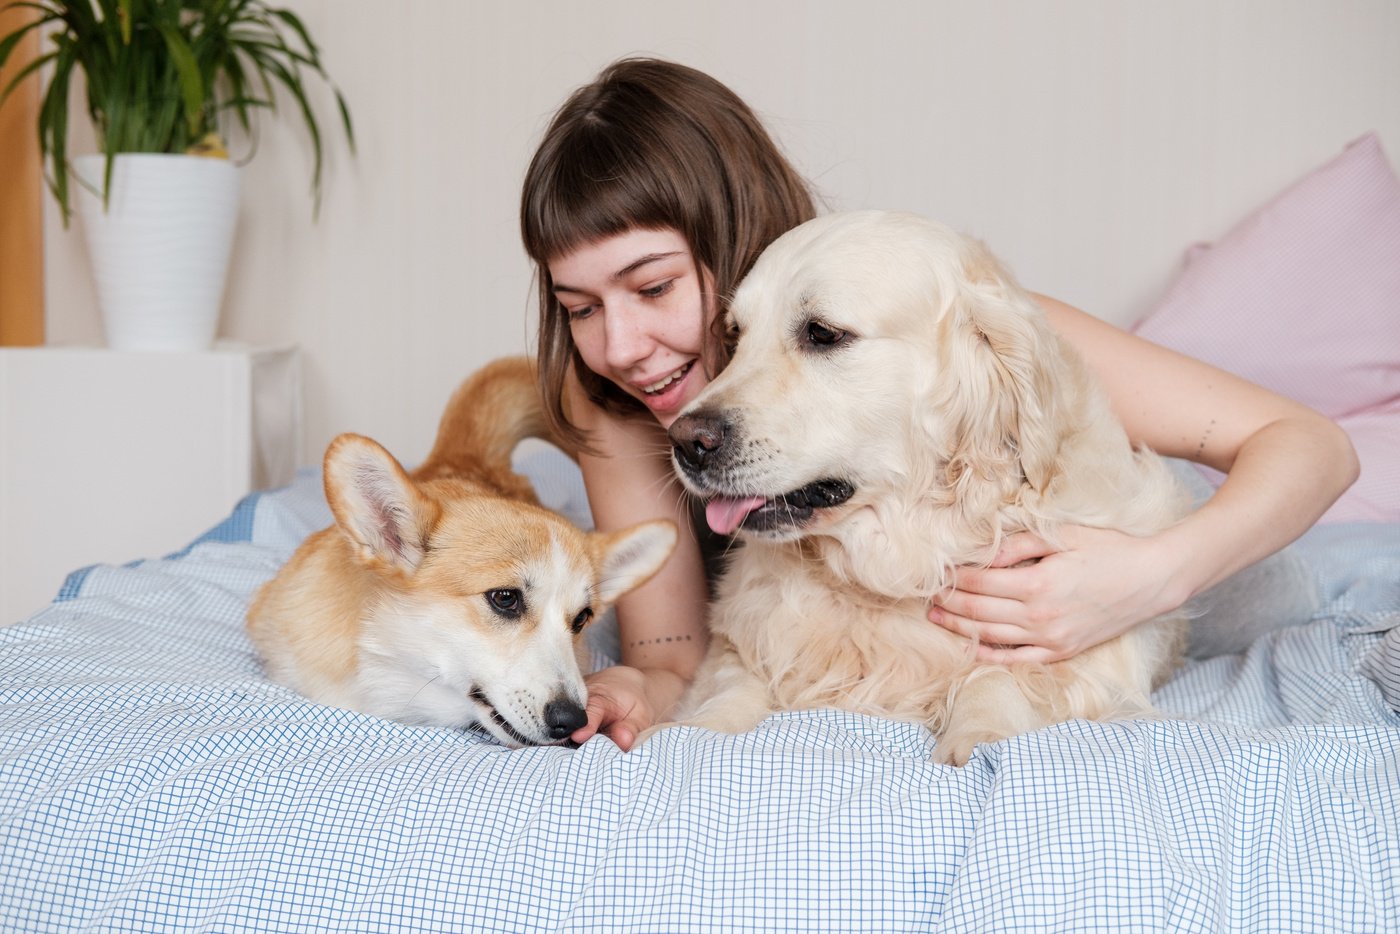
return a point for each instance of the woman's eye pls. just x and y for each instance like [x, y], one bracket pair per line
[820, 335]
[578, 314]
[656, 291]
[507, 601]
[581, 620]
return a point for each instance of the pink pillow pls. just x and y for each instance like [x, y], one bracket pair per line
[1303, 297]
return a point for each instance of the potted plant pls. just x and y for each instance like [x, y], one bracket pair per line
[159, 202]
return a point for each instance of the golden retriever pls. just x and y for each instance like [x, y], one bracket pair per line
[896, 406]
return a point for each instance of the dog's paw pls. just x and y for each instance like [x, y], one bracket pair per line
[956, 749]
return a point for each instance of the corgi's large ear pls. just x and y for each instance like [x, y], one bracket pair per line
[375, 504]
[630, 557]
[999, 355]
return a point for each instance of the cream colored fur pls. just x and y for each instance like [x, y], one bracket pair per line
[959, 417]
[390, 611]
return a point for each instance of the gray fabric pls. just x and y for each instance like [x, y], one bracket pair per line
[1277, 592]
[1274, 593]
[1358, 564]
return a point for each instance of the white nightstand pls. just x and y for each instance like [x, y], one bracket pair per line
[109, 456]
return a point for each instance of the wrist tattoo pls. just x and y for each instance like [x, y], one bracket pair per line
[659, 640]
[1202, 446]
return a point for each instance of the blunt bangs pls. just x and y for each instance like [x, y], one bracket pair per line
[598, 191]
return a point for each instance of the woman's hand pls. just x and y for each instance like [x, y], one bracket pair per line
[1098, 586]
[623, 701]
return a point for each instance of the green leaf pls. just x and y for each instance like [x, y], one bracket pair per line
[191, 83]
[345, 119]
[292, 82]
[11, 41]
[25, 72]
[239, 99]
[290, 18]
[53, 126]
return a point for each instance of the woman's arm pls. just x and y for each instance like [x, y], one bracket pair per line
[661, 625]
[1285, 465]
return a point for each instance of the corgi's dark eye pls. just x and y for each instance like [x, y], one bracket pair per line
[507, 601]
[581, 620]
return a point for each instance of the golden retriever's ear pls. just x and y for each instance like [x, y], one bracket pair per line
[999, 357]
[375, 504]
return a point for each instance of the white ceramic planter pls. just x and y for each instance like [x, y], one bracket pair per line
[161, 247]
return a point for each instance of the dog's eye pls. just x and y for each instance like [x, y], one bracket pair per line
[507, 601]
[581, 620]
[819, 335]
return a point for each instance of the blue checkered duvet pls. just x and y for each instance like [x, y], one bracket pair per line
[152, 779]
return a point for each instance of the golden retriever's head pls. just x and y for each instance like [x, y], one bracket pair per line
[882, 359]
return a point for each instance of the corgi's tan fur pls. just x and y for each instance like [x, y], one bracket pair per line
[448, 596]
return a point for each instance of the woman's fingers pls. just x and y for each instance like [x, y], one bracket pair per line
[1006, 642]
[1054, 608]
[984, 632]
[596, 710]
[976, 603]
[999, 643]
[624, 733]
[1026, 654]
[1018, 547]
[613, 708]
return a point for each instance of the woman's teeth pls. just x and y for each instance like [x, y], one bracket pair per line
[656, 387]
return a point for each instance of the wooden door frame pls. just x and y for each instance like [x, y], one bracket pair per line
[21, 198]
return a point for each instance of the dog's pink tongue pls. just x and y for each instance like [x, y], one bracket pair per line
[725, 515]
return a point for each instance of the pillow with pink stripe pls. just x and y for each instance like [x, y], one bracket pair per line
[1303, 297]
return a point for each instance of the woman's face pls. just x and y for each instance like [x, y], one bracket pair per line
[639, 310]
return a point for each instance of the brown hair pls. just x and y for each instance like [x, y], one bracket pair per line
[651, 144]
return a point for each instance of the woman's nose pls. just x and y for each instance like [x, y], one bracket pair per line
[627, 337]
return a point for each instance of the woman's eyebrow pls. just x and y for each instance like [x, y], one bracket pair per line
[631, 267]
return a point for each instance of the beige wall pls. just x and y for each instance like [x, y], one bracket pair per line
[1089, 141]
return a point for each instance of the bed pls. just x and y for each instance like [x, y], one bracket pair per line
[151, 779]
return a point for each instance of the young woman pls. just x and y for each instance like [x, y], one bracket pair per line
[652, 194]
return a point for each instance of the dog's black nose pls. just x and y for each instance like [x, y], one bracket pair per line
[562, 717]
[695, 438]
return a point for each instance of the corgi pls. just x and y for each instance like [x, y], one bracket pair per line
[448, 596]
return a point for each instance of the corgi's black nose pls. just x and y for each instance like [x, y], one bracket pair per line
[695, 438]
[562, 717]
